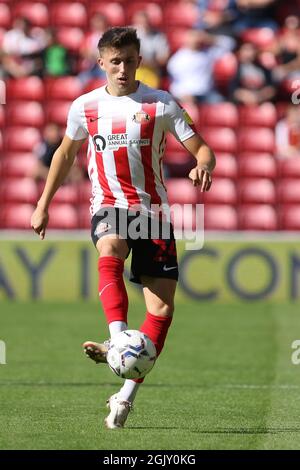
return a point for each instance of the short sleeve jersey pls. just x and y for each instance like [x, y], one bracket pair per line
[127, 139]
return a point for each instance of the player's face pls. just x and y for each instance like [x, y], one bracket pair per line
[120, 66]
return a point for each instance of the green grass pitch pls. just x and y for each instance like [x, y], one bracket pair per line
[224, 381]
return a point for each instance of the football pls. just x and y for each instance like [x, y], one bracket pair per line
[131, 354]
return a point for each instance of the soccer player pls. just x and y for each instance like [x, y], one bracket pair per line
[126, 123]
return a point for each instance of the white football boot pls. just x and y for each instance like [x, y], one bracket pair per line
[119, 410]
[96, 351]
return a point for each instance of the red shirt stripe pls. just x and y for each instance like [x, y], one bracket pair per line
[147, 130]
[122, 165]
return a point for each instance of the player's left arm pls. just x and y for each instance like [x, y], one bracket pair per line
[206, 162]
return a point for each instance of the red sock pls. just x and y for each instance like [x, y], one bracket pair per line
[112, 290]
[156, 328]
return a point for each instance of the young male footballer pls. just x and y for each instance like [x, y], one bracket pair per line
[126, 123]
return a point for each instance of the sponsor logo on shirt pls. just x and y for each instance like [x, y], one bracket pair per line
[141, 117]
[115, 141]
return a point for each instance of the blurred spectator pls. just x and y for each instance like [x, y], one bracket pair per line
[191, 67]
[217, 16]
[287, 134]
[88, 50]
[56, 59]
[287, 50]
[255, 14]
[52, 137]
[253, 82]
[24, 45]
[154, 50]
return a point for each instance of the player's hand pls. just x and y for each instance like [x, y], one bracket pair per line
[201, 176]
[39, 221]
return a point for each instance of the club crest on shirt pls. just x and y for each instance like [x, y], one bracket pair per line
[141, 117]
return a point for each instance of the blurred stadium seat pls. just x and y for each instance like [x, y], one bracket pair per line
[36, 12]
[290, 168]
[25, 113]
[63, 88]
[153, 10]
[258, 165]
[264, 115]
[225, 69]
[17, 165]
[84, 216]
[256, 139]
[288, 190]
[220, 217]
[2, 116]
[5, 16]
[226, 166]
[21, 138]
[178, 164]
[27, 88]
[221, 114]
[260, 37]
[256, 190]
[16, 216]
[19, 190]
[183, 14]
[176, 38]
[223, 191]
[220, 139]
[71, 38]
[57, 111]
[67, 194]
[290, 217]
[63, 216]
[181, 191]
[113, 11]
[68, 14]
[258, 217]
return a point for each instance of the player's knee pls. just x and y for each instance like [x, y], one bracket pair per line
[164, 310]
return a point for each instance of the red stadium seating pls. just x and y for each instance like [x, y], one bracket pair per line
[63, 216]
[67, 194]
[57, 111]
[16, 216]
[290, 217]
[28, 88]
[261, 37]
[85, 192]
[185, 218]
[114, 12]
[20, 165]
[177, 37]
[173, 145]
[181, 14]
[25, 113]
[221, 114]
[220, 139]
[258, 165]
[153, 10]
[226, 167]
[225, 69]
[84, 216]
[36, 12]
[5, 17]
[71, 38]
[222, 191]
[256, 190]
[63, 88]
[256, 139]
[258, 217]
[181, 191]
[93, 84]
[220, 217]
[289, 190]
[22, 139]
[290, 167]
[178, 164]
[2, 116]
[19, 190]
[68, 14]
[264, 115]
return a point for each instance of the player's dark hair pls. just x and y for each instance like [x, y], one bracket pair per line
[119, 37]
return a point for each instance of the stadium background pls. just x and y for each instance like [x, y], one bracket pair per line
[240, 292]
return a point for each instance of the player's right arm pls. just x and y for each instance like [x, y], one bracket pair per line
[61, 164]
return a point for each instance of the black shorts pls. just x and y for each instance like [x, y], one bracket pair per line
[151, 241]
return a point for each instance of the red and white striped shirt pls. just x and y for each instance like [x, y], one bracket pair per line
[127, 137]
